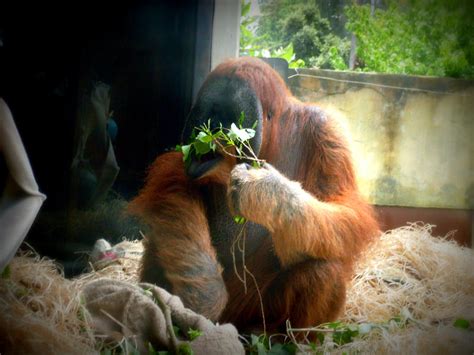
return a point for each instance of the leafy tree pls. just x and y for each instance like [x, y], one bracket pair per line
[300, 23]
[423, 37]
[258, 46]
[250, 44]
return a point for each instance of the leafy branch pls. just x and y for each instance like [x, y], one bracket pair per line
[233, 141]
[224, 139]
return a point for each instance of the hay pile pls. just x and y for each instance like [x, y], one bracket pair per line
[41, 311]
[432, 278]
[425, 283]
[429, 282]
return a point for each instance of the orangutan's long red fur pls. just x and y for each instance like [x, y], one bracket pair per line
[179, 237]
[306, 197]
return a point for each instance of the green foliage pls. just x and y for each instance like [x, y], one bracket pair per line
[343, 333]
[422, 37]
[258, 46]
[300, 24]
[336, 334]
[250, 44]
[239, 219]
[193, 334]
[273, 20]
[185, 349]
[286, 53]
[152, 351]
[6, 272]
[419, 37]
[462, 323]
[260, 345]
[209, 139]
[334, 54]
[177, 331]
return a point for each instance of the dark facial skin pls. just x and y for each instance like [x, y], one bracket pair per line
[222, 100]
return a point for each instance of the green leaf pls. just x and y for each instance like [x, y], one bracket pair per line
[334, 325]
[233, 132]
[345, 336]
[194, 333]
[261, 350]
[290, 348]
[396, 319]
[288, 53]
[239, 220]
[176, 330]
[462, 323]
[320, 337]
[186, 149]
[204, 137]
[201, 148]
[245, 8]
[148, 293]
[241, 119]
[254, 339]
[256, 164]
[185, 349]
[277, 349]
[241, 135]
[6, 272]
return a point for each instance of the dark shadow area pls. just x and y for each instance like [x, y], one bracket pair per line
[52, 57]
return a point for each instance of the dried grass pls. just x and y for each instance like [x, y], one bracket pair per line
[433, 278]
[428, 280]
[124, 268]
[41, 311]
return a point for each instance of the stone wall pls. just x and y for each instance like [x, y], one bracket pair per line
[413, 136]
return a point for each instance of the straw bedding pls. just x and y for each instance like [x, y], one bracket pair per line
[408, 291]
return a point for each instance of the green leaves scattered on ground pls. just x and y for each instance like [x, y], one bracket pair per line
[260, 345]
[328, 336]
[193, 334]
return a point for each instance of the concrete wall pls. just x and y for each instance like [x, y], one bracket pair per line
[226, 31]
[413, 136]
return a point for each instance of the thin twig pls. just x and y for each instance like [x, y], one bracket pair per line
[243, 278]
[253, 157]
[244, 237]
[234, 262]
[260, 298]
[292, 336]
[126, 330]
